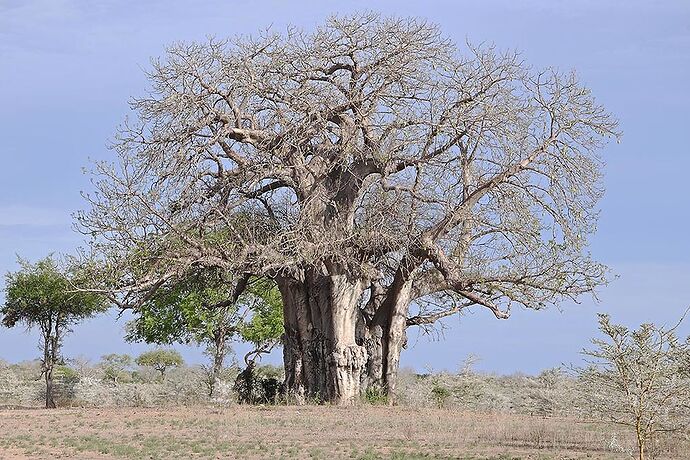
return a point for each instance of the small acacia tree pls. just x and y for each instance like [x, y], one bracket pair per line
[45, 296]
[639, 379]
[114, 366]
[383, 176]
[161, 360]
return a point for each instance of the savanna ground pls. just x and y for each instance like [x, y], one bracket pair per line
[464, 414]
[364, 432]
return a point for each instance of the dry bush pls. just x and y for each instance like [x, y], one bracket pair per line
[550, 393]
[86, 387]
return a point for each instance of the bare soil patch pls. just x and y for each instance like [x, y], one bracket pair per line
[304, 432]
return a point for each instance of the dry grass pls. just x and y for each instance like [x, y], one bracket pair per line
[303, 432]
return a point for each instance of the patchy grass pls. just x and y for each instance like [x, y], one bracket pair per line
[311, 432]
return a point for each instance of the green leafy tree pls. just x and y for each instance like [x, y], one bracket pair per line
[265, 327]
[205, 307]
[161, 360]
[114, 366]
[197, 309]
[639, 379]
[263, 330]
[46, 296]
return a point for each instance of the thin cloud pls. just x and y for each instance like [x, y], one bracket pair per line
[33, 216]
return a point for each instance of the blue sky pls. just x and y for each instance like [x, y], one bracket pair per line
[68, 67]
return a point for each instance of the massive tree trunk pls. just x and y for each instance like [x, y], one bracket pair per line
[322, 358]
[332, 350]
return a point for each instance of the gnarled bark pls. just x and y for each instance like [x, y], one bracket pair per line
[385, 334]
[334, 348]
[323, 361]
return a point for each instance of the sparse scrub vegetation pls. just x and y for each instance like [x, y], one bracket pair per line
[489, 414]
[470, 391]
[375, 396]
[327, 432]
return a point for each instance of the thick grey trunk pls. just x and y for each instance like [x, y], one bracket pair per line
[333, 353]
[385, 338]
[322, 359]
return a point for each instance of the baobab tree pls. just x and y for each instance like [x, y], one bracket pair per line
[381, 175]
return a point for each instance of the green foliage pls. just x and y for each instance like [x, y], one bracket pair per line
[269, 371]
[201, 308]
[115, 367]
[160, 360]
[66, 373]
[197, 309]
[65, 381]
[376, 396]
[440, 394]
[160, 357]
[41, 293]
[266, 323]
[186, 311]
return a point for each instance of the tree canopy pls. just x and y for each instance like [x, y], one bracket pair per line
[203, 308]
[382, 175]
[39, 293]
[48, 297]
[160, 360]
[189, 310]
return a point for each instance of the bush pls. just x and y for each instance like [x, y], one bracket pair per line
[639, 379]
[115, 368]
[440, 394]
[376, 396]
[254, 387]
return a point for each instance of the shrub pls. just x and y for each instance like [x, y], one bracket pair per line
[254, 387]
[376, 396]
[115, 368]
[639, 379]
[440, 394]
